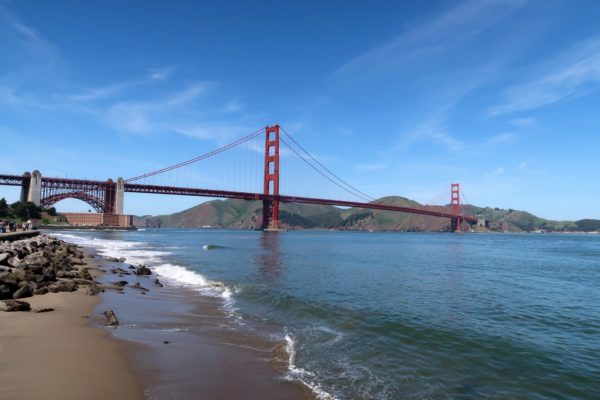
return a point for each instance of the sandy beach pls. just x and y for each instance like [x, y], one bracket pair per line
[59, 354]
[66, 353]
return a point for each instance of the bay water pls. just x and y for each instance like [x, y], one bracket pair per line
[362, 315]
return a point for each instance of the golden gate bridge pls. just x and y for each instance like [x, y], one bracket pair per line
[248, 168]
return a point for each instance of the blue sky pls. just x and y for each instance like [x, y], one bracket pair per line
[397, 97]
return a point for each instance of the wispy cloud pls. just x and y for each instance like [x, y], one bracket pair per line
[160, 74]
[432, 132]
[456, 24]
[158, 115]
[523, 122]
[501, 138]
[498, 171]
[376, 166]
[102, 92]
[571, 74]
[523, 164]
[146, 104]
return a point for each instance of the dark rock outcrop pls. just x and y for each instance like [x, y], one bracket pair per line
[14, 305]
[23, 292]
[143, 270]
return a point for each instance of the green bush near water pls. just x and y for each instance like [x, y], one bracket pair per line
[20, 212]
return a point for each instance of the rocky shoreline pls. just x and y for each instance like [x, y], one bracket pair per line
[44, 264]
[52, 350]
[41, 265]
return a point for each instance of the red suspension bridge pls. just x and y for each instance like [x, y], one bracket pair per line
[248, 169]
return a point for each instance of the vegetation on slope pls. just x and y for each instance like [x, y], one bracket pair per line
[240, 214]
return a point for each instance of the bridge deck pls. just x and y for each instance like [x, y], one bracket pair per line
[138, 188]
[18, 180]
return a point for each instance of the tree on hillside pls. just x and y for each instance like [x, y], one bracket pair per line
[26, 210]
[3, 207]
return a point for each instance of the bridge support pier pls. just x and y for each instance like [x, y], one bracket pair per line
[119, 196]
[270, 220]
[109, 197]
[34, 189]
[25, 187]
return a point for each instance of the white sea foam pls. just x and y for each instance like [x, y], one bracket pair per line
[179, 275]
[133, 252]
[139, 253]
[296, 373]
[336, 335]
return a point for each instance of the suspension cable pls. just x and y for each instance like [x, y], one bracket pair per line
[202, 157]
[349, 188]
[322, 173]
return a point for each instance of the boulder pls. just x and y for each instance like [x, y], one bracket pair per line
[14, 262]
[36, 259]
[143, 270]
[139, 287]
[85, 274]
[83, 282]
[14, 305]
[157, 283]
[23, 292]
[111, 318]
[43, 310]
[67, 274]
[40, 290]
[119, 271]
[5, 292]
[93, 289]
[4, 258]
[36, 269]
[62, 286]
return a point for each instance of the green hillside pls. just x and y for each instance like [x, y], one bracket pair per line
[242, 214]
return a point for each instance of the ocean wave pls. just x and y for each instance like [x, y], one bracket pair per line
[140, 253]
[179, 275]
[301, 375]
[132, 252]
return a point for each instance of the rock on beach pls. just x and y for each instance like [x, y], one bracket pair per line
[39, 265]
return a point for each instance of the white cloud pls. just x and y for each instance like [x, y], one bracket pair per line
[567, 76]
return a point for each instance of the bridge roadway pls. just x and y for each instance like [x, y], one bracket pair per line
[66, 183]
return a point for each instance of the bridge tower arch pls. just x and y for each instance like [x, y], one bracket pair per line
[270, 219]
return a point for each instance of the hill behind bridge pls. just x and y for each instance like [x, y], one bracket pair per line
[241, 214]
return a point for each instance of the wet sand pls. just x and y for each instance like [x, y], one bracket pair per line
[203, 358]
[59, 355]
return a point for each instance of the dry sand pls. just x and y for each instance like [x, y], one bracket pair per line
[58, 355]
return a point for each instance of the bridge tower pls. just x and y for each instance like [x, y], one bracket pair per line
[455, 207]
[271, 179]
[25, 187]
[120, 196]
[34, 190]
